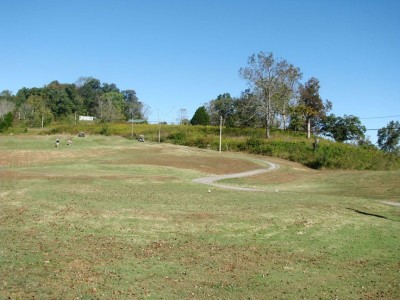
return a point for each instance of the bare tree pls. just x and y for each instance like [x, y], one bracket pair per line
[182, 116]
[6, 107]
[272, 81]
[287, 96]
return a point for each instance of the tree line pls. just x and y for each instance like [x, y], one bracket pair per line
[277, 99]
[56, 101]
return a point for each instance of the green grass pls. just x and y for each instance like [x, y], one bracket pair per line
[283, 144]
[96, 221]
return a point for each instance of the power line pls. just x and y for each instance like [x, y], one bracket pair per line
[380, 117]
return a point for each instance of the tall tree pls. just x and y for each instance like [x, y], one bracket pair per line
[89, 89]
[7, 103]
[286, 97]
[311, 104]
[109, 87]
[110, 106]
[247, 112]
[343, 129]
[182, 116]
[58, 100]
[270, 80]
[21, 96]
[40, 114]
[223, 107]
[389, 137]
[200, 117]
[7, 106]
[134, 108]
[7, 95]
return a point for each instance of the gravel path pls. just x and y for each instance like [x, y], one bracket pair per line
[211, 180]
[391, 203]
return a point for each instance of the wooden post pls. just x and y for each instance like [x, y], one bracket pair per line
[132, 124]
[220, 133]
[159, 126]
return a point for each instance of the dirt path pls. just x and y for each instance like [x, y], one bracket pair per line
[391, 203]
[212, 179]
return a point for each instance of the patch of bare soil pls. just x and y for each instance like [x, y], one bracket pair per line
[205, 162]
[22, 158]
[15, 175]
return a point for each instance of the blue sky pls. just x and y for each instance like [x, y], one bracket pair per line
[181, 54]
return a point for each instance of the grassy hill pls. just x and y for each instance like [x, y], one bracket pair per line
[288, 145]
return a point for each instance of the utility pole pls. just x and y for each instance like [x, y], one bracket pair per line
[159, 126]
[132, 124]
[220, 132]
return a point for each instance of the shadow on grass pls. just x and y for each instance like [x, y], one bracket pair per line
[369, 214]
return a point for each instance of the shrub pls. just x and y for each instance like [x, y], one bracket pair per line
[6, 122]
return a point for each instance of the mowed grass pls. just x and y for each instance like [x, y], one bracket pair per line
[110, 218]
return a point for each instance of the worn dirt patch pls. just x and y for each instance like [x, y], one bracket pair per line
[170, 156]
[22, 158]
[15, 175]
[214, 165]
[155, 155]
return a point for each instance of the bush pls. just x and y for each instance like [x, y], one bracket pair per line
[105, 130]
[177, 138]
[6, 122]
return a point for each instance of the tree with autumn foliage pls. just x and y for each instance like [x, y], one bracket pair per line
[311, 108]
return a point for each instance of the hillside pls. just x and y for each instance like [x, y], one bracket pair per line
[292, 146]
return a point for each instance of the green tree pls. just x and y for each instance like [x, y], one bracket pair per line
[89, 89]
[246, 110]
[111, 106]
[21, 96]
[6, 121]
[270, 80]
[389, 137]
[61, 99]
[200, 117]
[285, 98]
[366, 143]
[39, 114]
[223, 107]
[134, 109]
[343, 129]
[7, 95]
[311, 105]
[297, 119]
[109, 87]
[7, 103]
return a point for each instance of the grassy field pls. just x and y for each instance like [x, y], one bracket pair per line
[111, 218]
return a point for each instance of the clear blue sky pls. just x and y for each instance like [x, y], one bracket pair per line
[182, 53]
